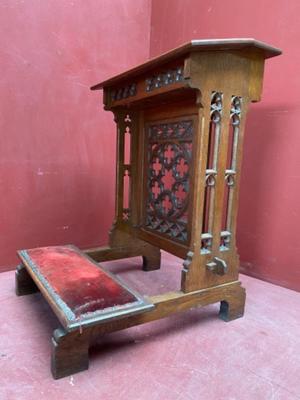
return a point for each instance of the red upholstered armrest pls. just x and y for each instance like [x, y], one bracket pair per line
[78, 289]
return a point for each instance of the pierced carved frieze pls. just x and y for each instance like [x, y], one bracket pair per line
[124, 92]
[164, 79]
[169, 163]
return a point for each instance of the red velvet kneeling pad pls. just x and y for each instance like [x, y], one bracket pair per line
[77, 280]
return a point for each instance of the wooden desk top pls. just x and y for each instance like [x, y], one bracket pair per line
[193, 46]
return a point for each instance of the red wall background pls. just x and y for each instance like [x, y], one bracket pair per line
[57, 145]
[269, 214]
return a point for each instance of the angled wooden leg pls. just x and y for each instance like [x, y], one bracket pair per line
[138, 247]
[23, 282]
[123, 245]
[233, 307]
[70, 353]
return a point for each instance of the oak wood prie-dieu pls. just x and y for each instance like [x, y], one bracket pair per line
[180, 122]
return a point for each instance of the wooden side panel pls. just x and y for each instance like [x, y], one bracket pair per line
[226, 83]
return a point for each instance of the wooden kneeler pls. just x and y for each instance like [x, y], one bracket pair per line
[180, 127]
[89, 302]
[82, 296]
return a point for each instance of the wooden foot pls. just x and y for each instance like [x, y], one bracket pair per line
[69, 353]
[233, 307]
[123, 245]
[151, 260]
[23, 282]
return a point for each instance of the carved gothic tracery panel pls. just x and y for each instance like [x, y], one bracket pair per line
[169, 163]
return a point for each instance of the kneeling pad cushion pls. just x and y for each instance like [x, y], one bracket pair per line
[78, 284]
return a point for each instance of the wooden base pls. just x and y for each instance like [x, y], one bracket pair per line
[151, 255]
[123, 244]
[70, 349]
[23, 282]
